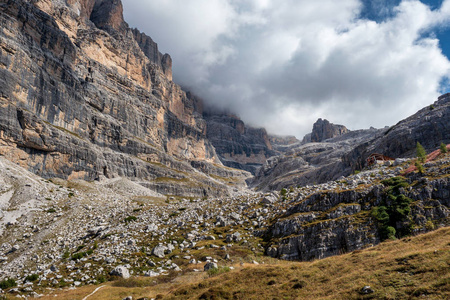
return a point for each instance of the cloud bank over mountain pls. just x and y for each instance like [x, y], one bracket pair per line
[283, 64]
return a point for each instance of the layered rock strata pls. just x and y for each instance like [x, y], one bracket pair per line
[310, 163]
[237, 144]
[338, 217]
[83, 96]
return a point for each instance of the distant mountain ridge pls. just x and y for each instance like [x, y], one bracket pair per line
[340, 152]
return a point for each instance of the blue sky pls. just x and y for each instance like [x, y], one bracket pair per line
[380, 10]
[284, 64]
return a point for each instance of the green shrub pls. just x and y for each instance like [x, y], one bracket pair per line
[443, 148]
[429, 225]
[421, 153]
[66, 254]
[395, 184]
[101, 279]
[32, 277]
[130, 219]
[79, 255]
[63, 283]
[51, 210]
[392, 216]
[7, 283]
[283, 192]
[217, 271]
[380, 214]
[80, 247]
[389, 232]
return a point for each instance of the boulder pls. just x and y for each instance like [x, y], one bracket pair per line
[159, 251]
[120, 271]
[234, 237]
[210, 265]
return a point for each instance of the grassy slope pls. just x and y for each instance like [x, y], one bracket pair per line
[407, 268]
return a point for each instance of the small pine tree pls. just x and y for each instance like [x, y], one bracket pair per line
[443, 148]
[419, 167]
[421, 153]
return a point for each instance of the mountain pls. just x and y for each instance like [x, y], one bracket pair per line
[309, 163]
[341, 152]
[237, 144]
[323, 130]
[429, 126]
[85, 97]
[110, 171]
[73, 233]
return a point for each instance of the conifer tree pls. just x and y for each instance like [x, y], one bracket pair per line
[421, 153]
[443, 148]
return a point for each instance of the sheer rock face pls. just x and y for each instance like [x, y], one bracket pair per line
[323, 130]
[238, 146]
[150, 48]
[80, 101]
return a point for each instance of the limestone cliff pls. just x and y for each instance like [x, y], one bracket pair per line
[238, 145]
[323, 130]
[84, 96]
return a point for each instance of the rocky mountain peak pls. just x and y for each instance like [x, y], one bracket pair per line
[108, 15]
[323, 130]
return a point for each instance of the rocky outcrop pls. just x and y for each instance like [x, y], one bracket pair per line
[108, 15]
[323, 130]
[96, 227]
[339, 217]
[238, 145]
[81, 99]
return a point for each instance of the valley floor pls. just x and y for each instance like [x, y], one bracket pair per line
[413, 267]
[67, 238]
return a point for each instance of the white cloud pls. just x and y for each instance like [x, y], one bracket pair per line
[283, 64]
